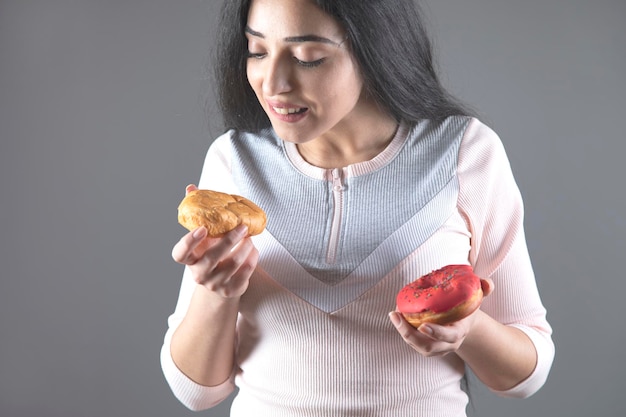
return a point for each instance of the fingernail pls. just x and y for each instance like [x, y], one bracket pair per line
[199, 233]
[394, 318]
[426, 329]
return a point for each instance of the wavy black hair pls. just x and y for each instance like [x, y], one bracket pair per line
[389, 41]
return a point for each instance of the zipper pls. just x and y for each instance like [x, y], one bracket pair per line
[335, 229]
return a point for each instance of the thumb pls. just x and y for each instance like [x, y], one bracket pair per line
[487, 286]
[190, 188]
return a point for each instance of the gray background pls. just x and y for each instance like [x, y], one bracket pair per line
[102, 125]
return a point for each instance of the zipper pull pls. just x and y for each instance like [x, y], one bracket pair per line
[337, 183]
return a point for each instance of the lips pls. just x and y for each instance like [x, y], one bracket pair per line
[287, 112]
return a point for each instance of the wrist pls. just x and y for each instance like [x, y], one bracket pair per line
[477, 331]
[205, 302]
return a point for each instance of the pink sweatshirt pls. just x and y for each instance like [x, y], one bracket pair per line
[314, 337]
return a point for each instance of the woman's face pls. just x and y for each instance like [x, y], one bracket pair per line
[301, 69]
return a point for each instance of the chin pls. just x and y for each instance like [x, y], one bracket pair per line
[297, 136]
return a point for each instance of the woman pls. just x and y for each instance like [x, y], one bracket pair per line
[371, 176]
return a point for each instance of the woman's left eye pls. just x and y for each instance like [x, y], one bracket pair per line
[255, 55]
[309, 64]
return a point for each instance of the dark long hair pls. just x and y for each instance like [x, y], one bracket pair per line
[389, 41]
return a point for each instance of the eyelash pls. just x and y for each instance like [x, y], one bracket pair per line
[305, 64]
[310, 64]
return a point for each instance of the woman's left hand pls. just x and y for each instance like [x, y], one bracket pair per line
[433, 339]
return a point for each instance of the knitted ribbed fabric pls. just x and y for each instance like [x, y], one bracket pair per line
[314, 338]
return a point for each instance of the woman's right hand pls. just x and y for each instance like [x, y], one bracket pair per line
[222, 265]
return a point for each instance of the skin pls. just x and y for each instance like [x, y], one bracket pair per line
[299, 59]
[339, 125]
[499, 355]
[204, 343]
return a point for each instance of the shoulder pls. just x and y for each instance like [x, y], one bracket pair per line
[480, 140]
[448, 130]
[486, 179]
[234, 142]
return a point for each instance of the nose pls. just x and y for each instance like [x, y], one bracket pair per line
[277, 76]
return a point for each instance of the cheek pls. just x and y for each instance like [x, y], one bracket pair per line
[253, 78]
[347, 80]
[344, 89]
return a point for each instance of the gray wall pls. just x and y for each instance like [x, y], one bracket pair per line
[102, 125]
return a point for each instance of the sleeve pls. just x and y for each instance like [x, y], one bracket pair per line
[215, 175]
[492, 204]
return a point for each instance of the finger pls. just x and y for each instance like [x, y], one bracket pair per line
[448, 334]
[420, 342]
[183, 251]
[247, 267]
[237, 256]
[230, 276]
[428, 331]
[190, 188]
[227, 243]
[216, 249]
[407, 331]
[241, 270]
[216, 258]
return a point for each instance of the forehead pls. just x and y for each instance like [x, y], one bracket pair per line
[287, 18]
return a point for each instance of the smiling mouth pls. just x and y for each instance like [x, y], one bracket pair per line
[286, 110]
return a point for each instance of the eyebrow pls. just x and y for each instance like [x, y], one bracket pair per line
[295, 39]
